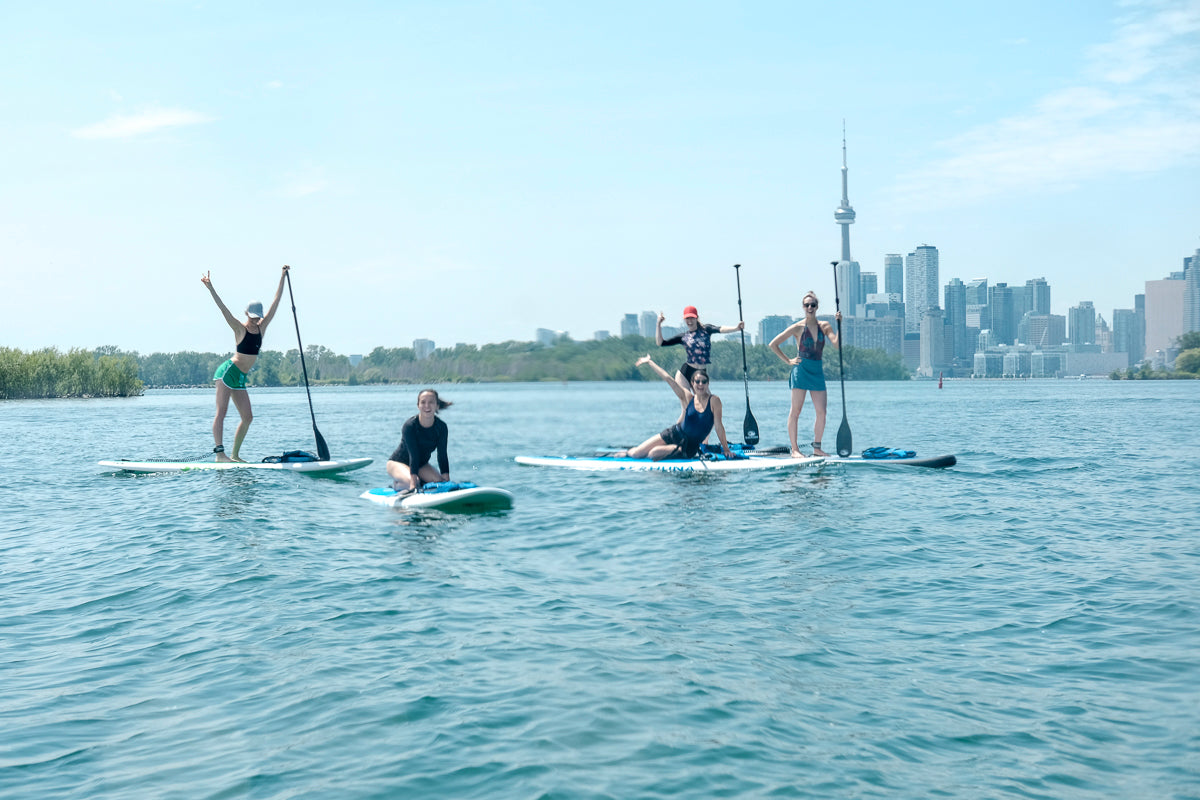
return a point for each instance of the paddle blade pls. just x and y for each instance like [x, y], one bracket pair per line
[323, 449]
[844, 445]
[750, 429]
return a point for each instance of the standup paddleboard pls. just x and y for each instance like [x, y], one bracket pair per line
[608, 463]
[935, 462]
[467, 498]
[310, 467]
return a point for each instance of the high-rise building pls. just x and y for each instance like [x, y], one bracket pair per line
[1042, 330]
[920, 286]
[629, 325]
[884, 333]
[1164, 314]
[893, 274]
[848, 279]
[868, 283]
[647, 323]
[1000, 309]
[1123, 327]
[423, 348]
[1191, 293]
[772, 326]
[600, 336]
[1081, 327]
[933, 342]
[978, 315]
[1037, 293]
[956, 318]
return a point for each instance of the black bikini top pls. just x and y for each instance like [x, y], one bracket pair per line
[250, 344]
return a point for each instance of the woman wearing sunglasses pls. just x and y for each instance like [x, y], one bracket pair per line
[808, 374]
[700, 414]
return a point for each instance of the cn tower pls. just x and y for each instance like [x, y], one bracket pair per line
[845, 214]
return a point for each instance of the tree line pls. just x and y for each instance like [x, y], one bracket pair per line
[110, 372]
[1187, 363]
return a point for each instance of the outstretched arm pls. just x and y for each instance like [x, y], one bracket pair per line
[658, 328]
[741, 326]
[229, 318]
[278, 295]
[683, 395]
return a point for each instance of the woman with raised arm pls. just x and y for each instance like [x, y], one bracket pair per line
[700, 414]
[231, 376]
[808, 374]
[696, 341]
[421, 436]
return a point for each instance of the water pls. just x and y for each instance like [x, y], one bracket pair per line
[1023, 625]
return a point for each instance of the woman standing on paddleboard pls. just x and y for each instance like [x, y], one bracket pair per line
[696, 341]
[700, 414]
[808, 374]
[421, 435]
[231, 376]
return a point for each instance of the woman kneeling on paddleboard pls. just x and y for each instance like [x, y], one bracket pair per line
[231, 376]
[701, 413]
[409, 465]
[808, 373]
[696, 341]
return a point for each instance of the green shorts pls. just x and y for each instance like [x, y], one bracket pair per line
[230, 375]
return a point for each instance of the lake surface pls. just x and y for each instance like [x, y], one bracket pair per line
[1021, 625]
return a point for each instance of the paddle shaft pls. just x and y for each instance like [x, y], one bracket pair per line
[322, 448]
[844, 440]
[749, 425]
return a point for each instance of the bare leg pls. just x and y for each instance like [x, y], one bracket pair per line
[664, 451]
[794, 419]
[241, 399]
[820, 400]
[218, 426]
[643, 449]
[428, 474]
[682, 381]
[400, 474]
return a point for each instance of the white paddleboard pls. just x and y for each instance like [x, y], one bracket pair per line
[476, 498]
[310, 467]
[754, 462]
[933, 462]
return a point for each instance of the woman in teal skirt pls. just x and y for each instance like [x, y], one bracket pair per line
[808, 374]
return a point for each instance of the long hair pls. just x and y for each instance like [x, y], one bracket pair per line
[441, 404]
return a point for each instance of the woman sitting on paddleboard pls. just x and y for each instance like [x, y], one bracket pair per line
[696, 341]
[231, 376]
[701, 413]
[421, 435]
[808, 374]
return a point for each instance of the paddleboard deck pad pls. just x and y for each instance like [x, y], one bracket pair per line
[455, 497]
[613, 464]
[311, 467]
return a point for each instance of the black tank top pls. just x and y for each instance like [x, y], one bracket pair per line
[250, 344]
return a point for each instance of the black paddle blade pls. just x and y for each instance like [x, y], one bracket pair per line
[750, 429]
[323, 449]
[844, 445]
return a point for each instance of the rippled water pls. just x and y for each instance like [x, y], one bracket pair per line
[1022, 625]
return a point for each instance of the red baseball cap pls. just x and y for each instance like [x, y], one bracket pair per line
[690, 311]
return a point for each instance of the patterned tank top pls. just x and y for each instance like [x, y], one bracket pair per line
[810, 349]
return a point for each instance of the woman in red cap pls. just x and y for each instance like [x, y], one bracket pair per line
[231, 376]
[696, 341]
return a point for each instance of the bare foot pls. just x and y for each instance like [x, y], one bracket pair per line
[222, 458]
[819, 452]
[797, 454]
[238, 459]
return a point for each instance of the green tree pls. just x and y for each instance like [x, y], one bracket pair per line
[1188, 361]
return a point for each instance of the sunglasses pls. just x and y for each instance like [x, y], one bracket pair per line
[701, 382]
[810, 305]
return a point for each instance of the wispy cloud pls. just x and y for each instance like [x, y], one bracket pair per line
[1136, 110]
[124, 126]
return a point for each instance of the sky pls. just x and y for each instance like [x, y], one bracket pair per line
[472, 171]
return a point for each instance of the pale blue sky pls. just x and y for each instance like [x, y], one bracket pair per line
[468, 172]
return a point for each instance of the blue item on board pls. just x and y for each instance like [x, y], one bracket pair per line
[888, 452]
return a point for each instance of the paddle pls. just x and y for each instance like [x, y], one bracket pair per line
[749, 425]
[322, 448]
[844, 446]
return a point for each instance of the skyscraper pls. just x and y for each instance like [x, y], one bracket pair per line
[629, 325]
[647, 323]
[921, 286]
[1191, 293]
[1081, 323]
[956, 318]
[1038, 294]
[868, 284]
[1000, 308]
[772, 326]
[893, 274]
[847, 269]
